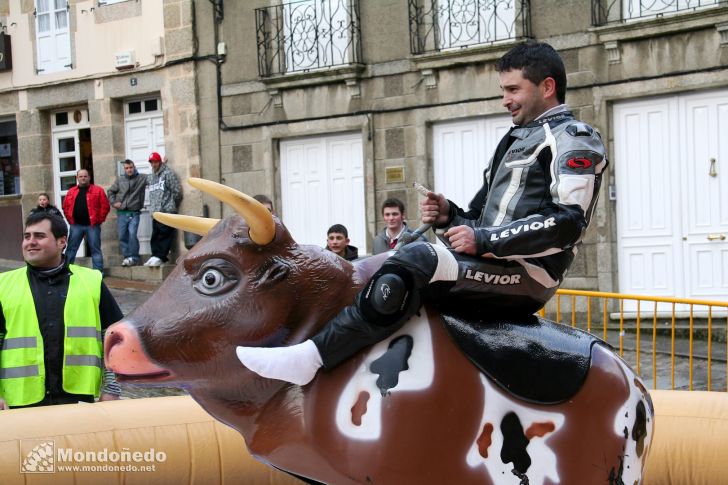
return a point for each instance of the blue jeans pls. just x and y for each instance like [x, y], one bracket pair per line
[93, 237]
[128, 224]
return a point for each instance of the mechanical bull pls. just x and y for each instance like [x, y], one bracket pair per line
[443, 400]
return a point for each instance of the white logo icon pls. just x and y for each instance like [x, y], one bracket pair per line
[385, 291]
[40, 459]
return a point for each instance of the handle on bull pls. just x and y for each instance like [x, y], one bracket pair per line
[415, 235]
[420, 231]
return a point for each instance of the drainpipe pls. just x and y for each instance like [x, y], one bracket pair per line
[218, 17]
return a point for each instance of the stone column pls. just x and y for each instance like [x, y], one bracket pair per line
[35, 156]
[106, 119]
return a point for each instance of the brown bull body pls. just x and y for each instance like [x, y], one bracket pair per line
[441, 421]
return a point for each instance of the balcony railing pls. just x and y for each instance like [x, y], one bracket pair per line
[307, 35]
[614, 11]
[438, 25]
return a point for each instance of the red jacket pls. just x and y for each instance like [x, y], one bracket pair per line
[98, 204]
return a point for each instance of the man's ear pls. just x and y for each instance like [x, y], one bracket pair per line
[549, 87]
[62, 241]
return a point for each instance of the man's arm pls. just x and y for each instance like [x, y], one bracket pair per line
[176, 188]
[66, 206]
[113, 191]
[560, 224]
[104, 207]
[555, 229]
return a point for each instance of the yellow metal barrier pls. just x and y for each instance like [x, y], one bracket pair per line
[589, 299]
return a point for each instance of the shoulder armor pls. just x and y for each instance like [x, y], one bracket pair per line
[579, 129]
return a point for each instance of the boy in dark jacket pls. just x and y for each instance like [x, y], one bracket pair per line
[44, 205]
[337, 241]
[126, 195]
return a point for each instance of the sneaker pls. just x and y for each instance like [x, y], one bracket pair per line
[153, 261]
[127, 262]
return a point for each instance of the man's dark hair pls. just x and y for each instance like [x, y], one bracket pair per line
[393, 202]
[538, 61]
[263, 199]
[45, 194]
[127, 162]
[58, 225]
[338, 228]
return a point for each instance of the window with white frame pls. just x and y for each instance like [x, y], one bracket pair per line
[53, 37]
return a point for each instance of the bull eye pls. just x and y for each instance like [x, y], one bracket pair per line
[215, 276]
[212, 281]
[211, 278]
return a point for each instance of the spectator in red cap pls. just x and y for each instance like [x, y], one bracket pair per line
[165, 195]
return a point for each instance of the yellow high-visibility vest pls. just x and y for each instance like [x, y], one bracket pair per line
[22, 363]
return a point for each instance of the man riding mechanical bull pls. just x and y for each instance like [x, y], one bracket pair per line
[508, 252]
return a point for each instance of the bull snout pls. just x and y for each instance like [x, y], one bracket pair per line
[124, 355]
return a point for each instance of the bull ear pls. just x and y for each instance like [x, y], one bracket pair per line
[197, 225]
[259, 219]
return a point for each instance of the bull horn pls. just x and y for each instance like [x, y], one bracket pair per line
[197, 225]
[259, 219]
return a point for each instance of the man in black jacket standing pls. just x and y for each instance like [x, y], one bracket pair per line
[126, 195]
[52, 315]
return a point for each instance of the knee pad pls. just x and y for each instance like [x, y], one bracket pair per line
[389, 296]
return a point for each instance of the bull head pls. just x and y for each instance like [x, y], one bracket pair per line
[246, 282]
[260, 221]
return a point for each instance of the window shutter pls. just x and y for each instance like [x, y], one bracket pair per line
[53, 37]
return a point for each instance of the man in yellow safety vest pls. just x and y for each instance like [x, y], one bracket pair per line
[52, 315]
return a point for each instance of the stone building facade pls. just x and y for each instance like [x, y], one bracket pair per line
[414, 82]
[92, 83]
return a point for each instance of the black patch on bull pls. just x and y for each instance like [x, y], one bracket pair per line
[639, 430]
[514, 446]
[394, 361]
[615, 476]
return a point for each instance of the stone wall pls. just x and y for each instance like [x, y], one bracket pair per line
[173, 79]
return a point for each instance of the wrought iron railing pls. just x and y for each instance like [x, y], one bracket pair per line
[307, 35]
[437, 25]
[613, 11]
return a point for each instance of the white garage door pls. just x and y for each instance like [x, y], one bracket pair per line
[671, 169]
[322, 183]
[462, 149]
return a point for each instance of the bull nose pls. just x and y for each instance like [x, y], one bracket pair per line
[123, 352]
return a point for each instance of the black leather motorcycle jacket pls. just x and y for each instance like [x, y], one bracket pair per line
[538, 195]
